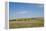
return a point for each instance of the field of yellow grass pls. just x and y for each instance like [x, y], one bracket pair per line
[26, 24]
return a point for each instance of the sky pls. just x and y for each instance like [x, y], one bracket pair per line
[25, 10]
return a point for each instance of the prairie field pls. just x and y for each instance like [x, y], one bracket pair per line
[26, 23]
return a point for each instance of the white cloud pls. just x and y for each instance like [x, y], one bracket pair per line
[21, 12]
[40, 5]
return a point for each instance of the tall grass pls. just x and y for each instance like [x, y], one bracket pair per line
[26, 22]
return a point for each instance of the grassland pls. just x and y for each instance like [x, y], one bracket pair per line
[26, 23]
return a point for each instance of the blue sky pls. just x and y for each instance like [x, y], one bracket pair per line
[25, 10]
